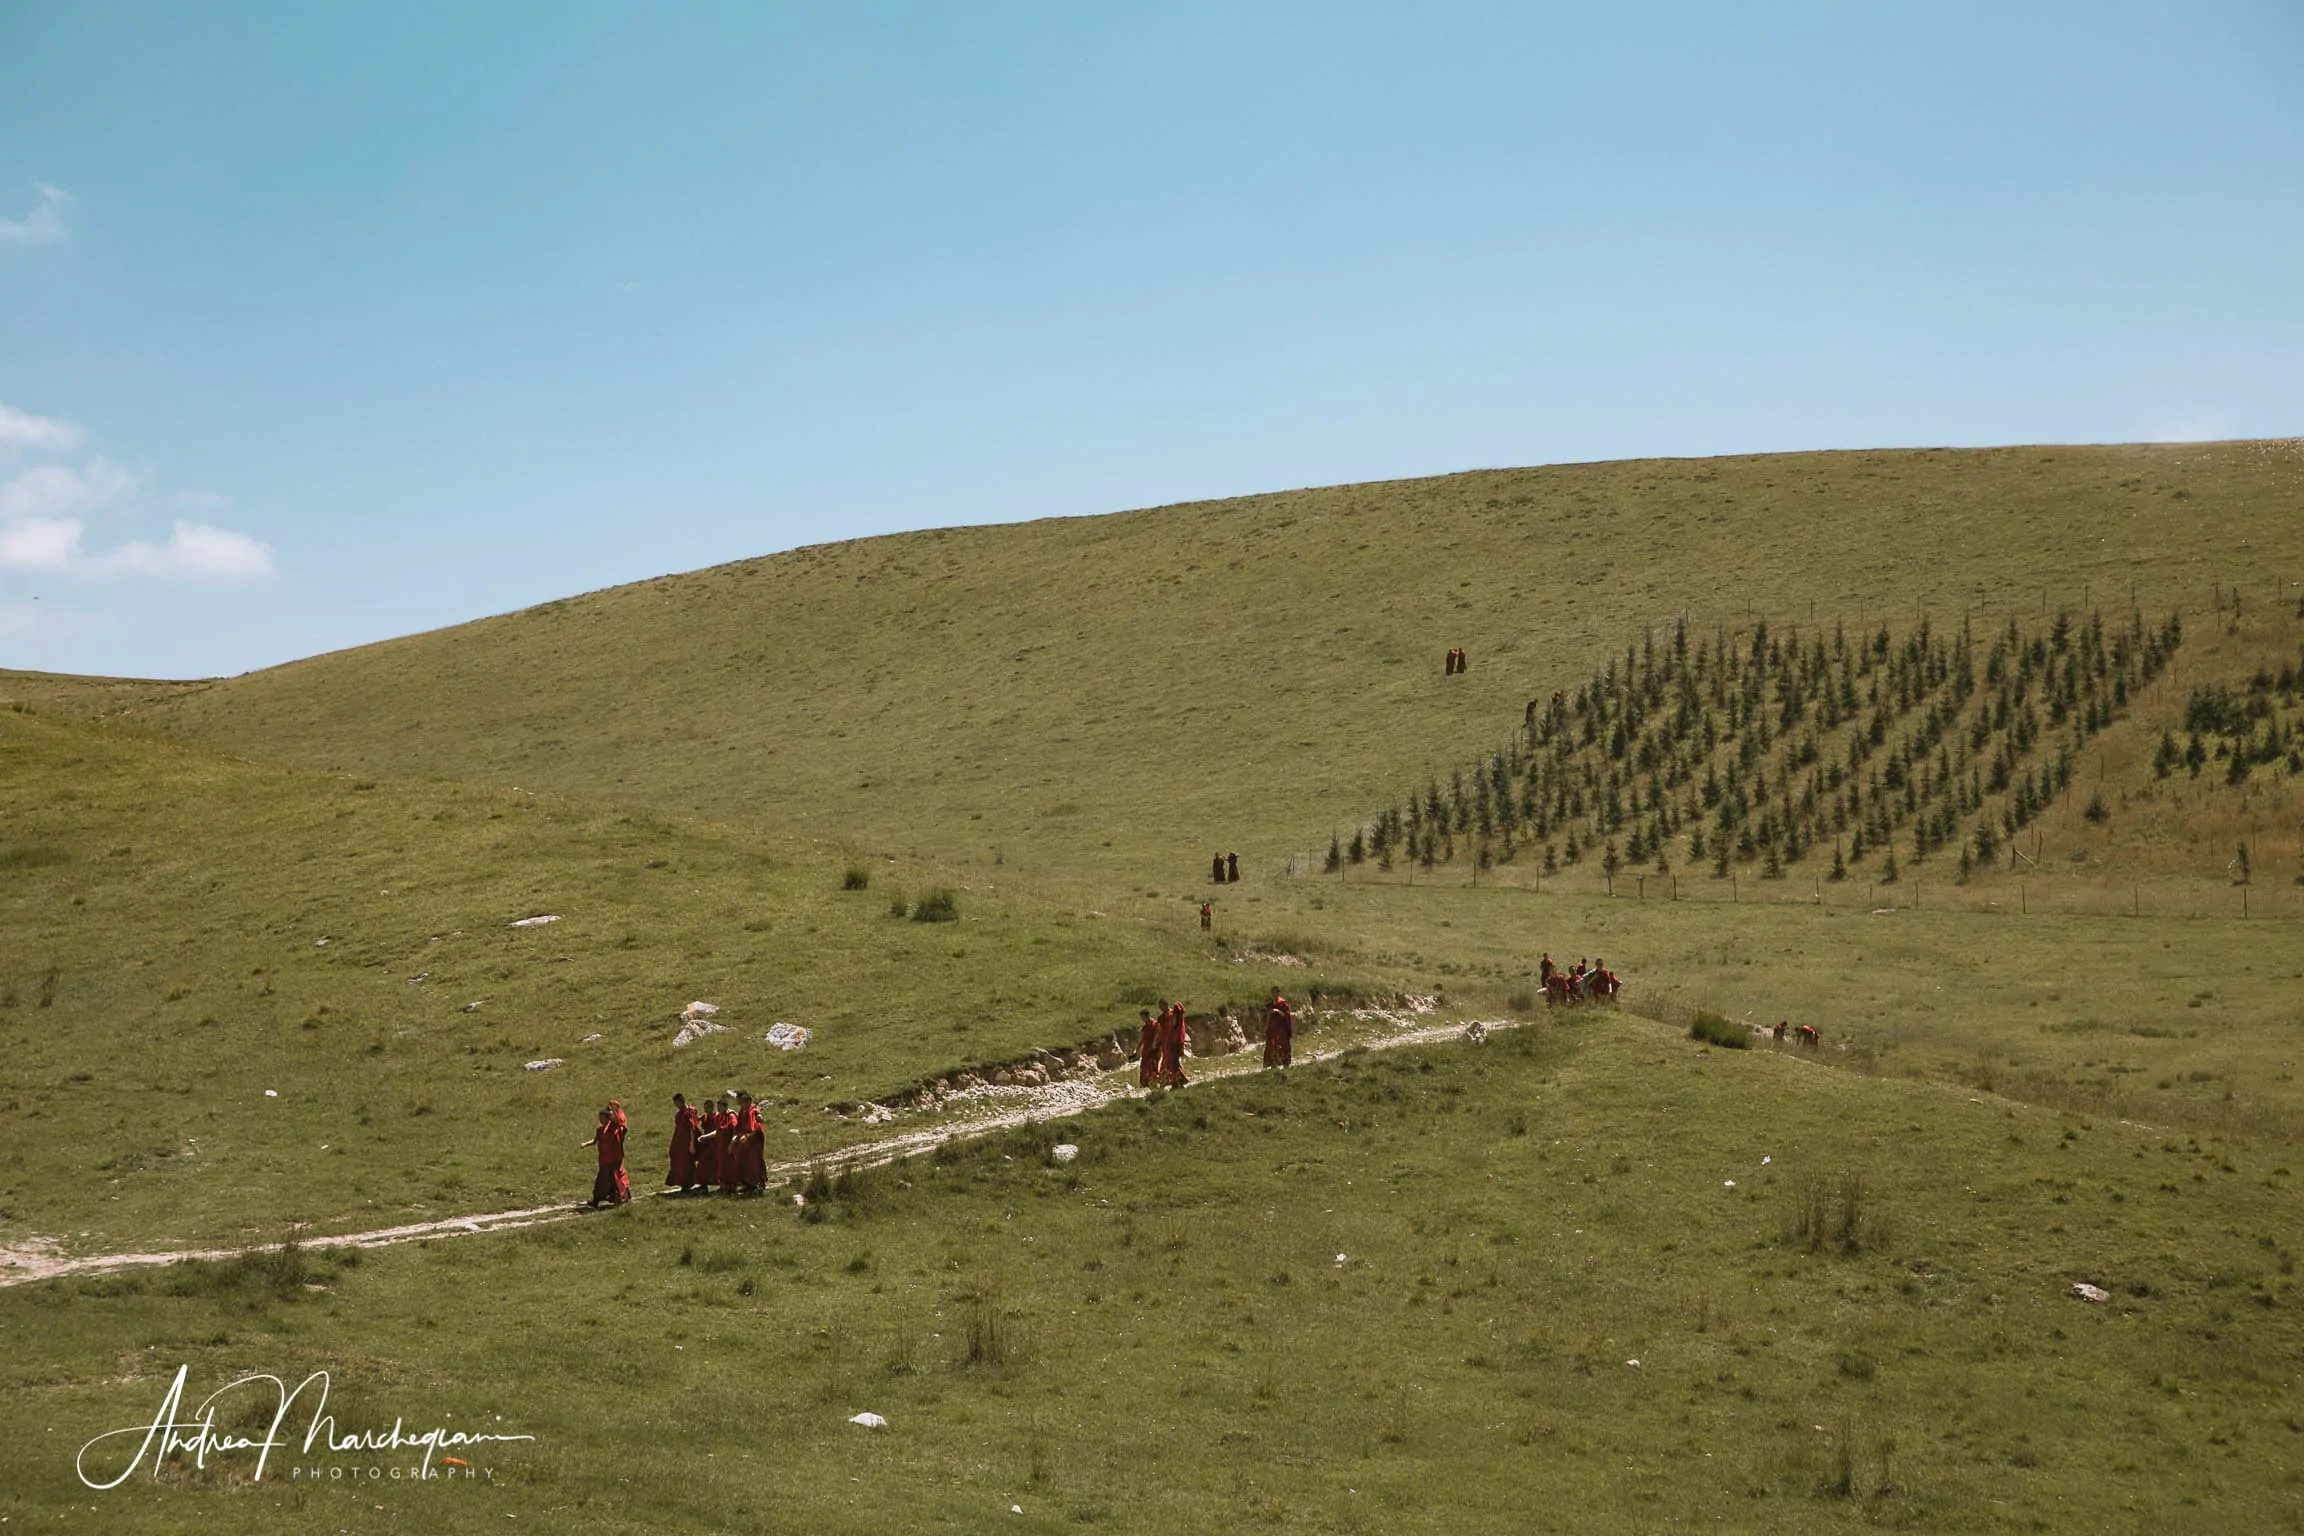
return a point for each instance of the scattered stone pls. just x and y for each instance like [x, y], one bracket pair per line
[696, 1030]
[1728, 1183]
[787, 1037]
[593, 1038]
[870, 1421]
[536, 922]
[546, 1065]
[2087, 1292]
[419, 978]
[1064, 1152]
[472, 1006]
[320, 943]
[699, 1011]
[271, 1093]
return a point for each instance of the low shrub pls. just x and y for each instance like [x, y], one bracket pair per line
[1712, 1029]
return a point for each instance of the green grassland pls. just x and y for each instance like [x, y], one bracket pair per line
[1390, 1293]
[2077, 1069]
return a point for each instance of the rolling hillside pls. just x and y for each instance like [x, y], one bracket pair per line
[1125, 694]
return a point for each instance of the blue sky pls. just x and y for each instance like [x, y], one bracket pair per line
[320, 324]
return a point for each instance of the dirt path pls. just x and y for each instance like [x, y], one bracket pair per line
[974, 1112]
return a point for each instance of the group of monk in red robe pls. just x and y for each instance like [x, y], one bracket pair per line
[1161, 1041]
[1579, 983]
[610, 1186]
[722, 1146]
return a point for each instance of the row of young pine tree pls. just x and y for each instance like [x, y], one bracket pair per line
[1776, 748]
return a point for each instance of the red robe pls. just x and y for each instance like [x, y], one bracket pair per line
[1279, 1033]
[724, 1149]
[1148, 1051]
[683, 1171]
[1172, 1030]
[611, 1186]
[752, 1151]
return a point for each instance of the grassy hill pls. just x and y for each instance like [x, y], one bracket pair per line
[1386, 1292]
[1123, 695]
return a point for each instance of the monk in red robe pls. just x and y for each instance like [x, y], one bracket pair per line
[1172, 1033]
[724, 1125]
[751, 1147]
[708, 1146]
[683, 1171]
[610, 1186]
[1279, 1032]
[1148, 1048]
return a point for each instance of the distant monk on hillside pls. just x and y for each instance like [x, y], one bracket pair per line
[1172, 1037]
[751, 1147]
[683, 1172]
[610, 1186]
[1463, 660]
[1531, 720]
[1216, 869]
[1148, 1048]
[1279, 1031]
[1207, 917]
[1231, 867]
[1545, 968]
[1450, 669]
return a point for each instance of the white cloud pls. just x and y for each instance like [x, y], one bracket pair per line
[44, 512]
[22, 429]
[41, 543]
[194, 549]
[44, 223]
[61, 490]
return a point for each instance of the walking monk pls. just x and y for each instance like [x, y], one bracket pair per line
[727, 1144]
[708, 1146]
[1148, 1047]
[1172, 1036]
[683, 1171]
[610, 1186]
[1279, 1031]
[751, 1147]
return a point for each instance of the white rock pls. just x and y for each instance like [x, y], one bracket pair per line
[1064, 1152]
[1633, 1363]
[1339, 1258]
[1764, 1162]
[536, 922]
[787, 1037]
[870, 1421]
[546, 1065]
[271, 1093]
[1728, 1183]
[2087, 1292]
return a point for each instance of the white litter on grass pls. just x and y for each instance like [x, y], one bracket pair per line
[2087, 1292]
[536, 922]
[870, 1421]
[546, 1065]
[787, 1037]
[271, 1093]
[1727, 1183]
[320, 943]
[699, 1010]
[593, 1038]
[1633, 1363]
[473, 1006]
[1339, 1258]
[1064, 1152]
[696, 1030]
[1764, 1162]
